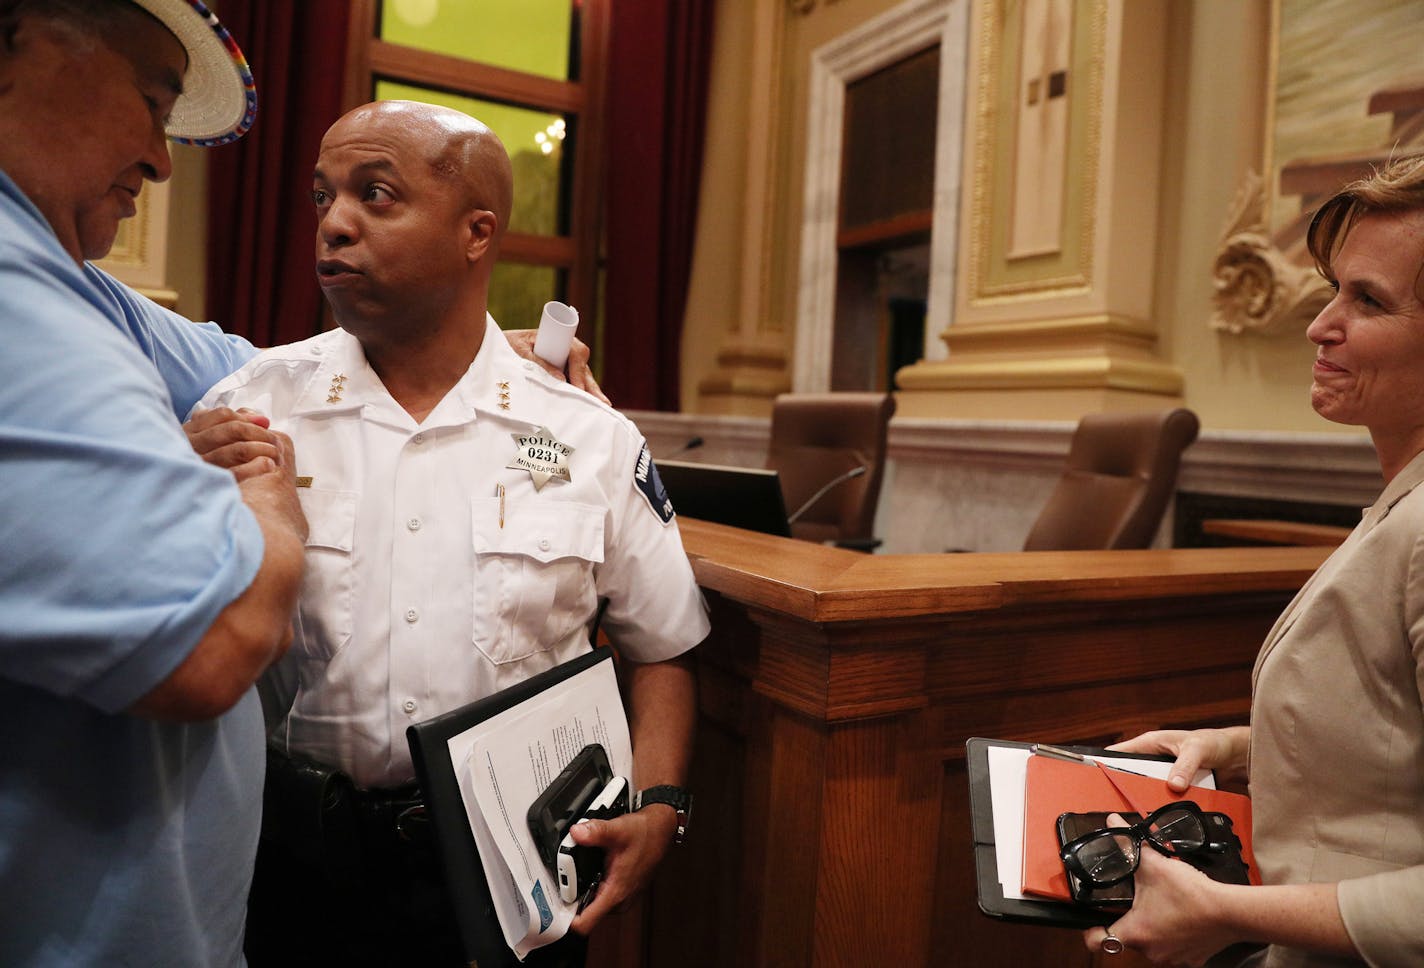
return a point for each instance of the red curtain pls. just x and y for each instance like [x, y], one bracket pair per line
[660, 55]
[261, 281]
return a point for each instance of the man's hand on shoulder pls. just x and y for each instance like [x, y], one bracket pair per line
[579, 374]
[235, 439]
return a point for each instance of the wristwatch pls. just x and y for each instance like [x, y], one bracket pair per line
[675, 797]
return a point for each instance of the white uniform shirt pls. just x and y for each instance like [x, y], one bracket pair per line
[425, 589]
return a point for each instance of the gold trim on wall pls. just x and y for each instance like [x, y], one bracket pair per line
[1273, 73]
[130, 246]
[993, 277]
[166, 298]
[139, 255]
[1099, 326]
[1084, 372]
[1256, 287]
[1102, 350]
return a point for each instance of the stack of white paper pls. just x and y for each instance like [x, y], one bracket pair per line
[502, 767]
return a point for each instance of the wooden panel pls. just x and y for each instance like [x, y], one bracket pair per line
[902, 229]
[542, 250]
[889, 142]
[837, 691]
[460, 75]
[819, 584]
[777, 908]
[877, 850]
[1276, 532]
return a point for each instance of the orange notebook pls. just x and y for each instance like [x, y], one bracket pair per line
[1054, 787]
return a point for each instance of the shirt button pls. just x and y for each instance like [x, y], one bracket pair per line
[409, 705]
[418, 438]
[529, 365]
[543, 544]
[413, 524]
[412, 616]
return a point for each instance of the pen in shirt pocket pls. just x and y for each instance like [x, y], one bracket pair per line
[499, 492]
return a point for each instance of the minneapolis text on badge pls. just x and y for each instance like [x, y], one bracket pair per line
[541, 454]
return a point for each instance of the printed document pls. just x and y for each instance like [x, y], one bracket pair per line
[505, 763]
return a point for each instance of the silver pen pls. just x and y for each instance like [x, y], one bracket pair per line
[1059, 753]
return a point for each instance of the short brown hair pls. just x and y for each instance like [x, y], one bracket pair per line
[1398, 187]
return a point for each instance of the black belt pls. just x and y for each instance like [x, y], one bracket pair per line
[318, 815]
[396, 815]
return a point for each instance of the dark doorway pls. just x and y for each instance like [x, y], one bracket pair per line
[886, 213]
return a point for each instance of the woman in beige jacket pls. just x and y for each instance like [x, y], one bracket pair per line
[1335, 751]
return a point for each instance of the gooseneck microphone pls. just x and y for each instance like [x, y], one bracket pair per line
[826, 488]
[692, 444]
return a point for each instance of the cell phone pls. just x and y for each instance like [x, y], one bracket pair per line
[1071, 826]
[580, 867]
[1222, 860]
[566, 798]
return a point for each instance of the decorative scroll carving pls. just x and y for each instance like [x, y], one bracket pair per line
[1258, 288]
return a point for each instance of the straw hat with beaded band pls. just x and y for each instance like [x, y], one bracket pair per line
[219, 99]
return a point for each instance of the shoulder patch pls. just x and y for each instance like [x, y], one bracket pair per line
[646, 480]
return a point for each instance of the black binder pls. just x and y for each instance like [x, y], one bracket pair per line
[464, 875]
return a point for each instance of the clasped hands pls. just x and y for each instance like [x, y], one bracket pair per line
[1176, 915]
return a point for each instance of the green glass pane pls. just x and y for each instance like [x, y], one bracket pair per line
[522, 35]
[534, 140]
[518, 293]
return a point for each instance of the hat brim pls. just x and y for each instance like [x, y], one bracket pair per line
[219, 99]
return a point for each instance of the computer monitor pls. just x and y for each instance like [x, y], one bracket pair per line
[743, 497]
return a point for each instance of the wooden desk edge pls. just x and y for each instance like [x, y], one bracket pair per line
[823, 584]
[1276, 532]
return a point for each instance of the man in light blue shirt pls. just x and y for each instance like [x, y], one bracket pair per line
[141, 591]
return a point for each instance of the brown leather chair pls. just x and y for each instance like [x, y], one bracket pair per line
[1121, 471]
[817, 441]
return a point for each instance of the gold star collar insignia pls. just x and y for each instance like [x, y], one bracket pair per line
[540, 453]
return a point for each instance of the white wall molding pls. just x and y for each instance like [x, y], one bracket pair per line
[878, 43]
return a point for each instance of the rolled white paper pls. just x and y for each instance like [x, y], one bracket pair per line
[556, 333]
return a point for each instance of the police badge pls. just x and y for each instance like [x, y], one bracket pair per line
[540, 453]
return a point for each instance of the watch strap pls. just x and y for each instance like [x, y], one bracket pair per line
[675, 797]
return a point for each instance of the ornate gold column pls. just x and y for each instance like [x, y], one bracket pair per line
[1058, 226]
[752, 361]
[139, 256]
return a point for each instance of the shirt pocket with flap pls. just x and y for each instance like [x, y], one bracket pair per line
[324, 613]
[533, 577]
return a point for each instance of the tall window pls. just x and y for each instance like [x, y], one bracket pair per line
[533, 71]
